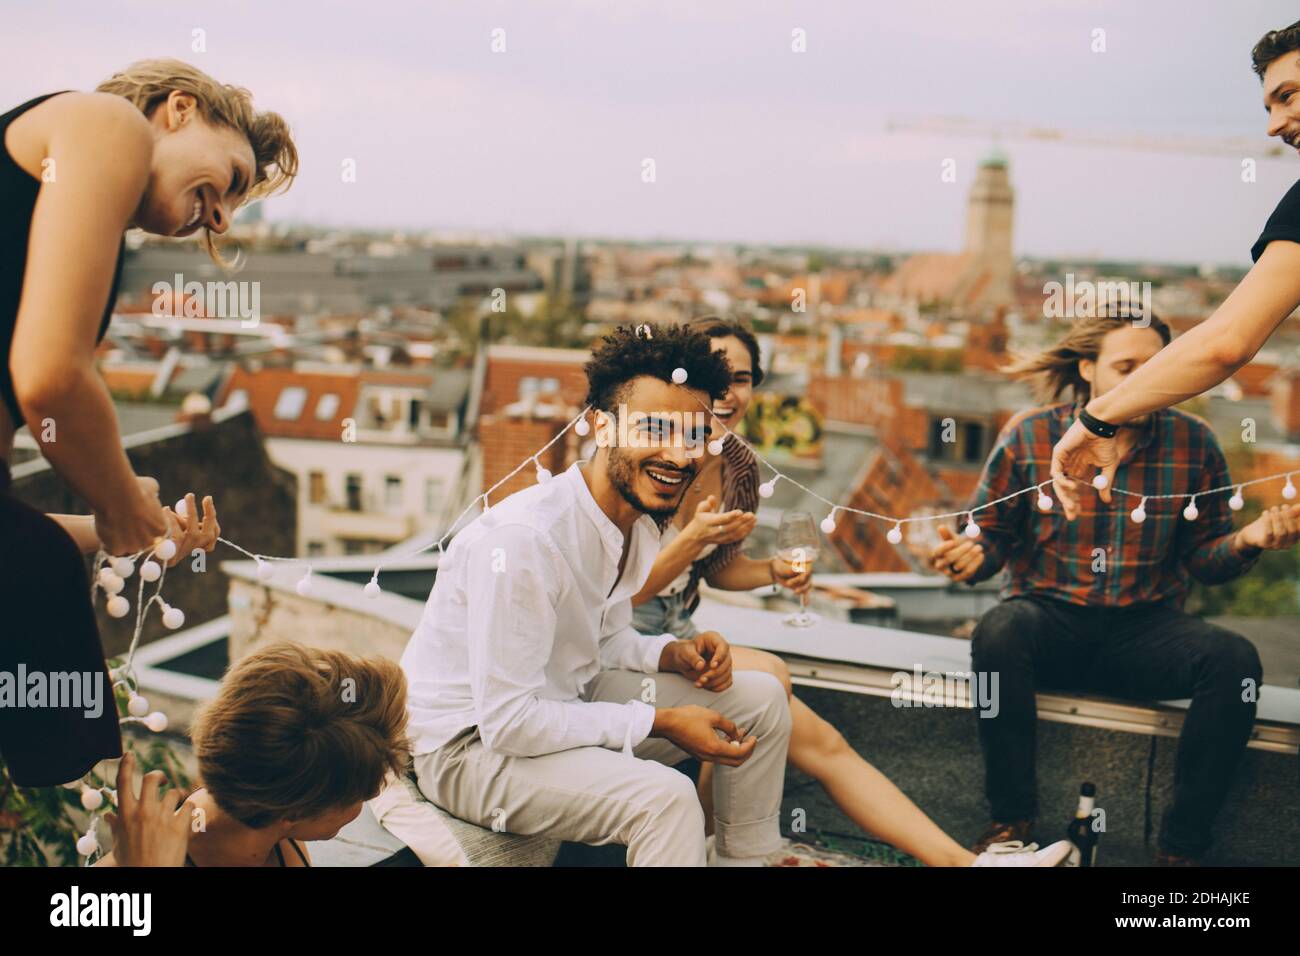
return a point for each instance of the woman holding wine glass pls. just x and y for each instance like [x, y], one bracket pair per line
[703, 543]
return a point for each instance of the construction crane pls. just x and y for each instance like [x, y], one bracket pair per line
[1240, 147]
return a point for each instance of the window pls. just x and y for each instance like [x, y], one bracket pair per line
[327, 407]
[316, 487]
[432, 495]
[393, 490]
[288, 407]
[957, 440]
[413, 413]
[315, 548]
[352, 488]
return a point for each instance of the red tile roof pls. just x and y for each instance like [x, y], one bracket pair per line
[265, 386]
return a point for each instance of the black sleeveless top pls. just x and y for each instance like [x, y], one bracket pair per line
[18, 192]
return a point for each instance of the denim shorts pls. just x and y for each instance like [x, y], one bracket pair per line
[664, 615]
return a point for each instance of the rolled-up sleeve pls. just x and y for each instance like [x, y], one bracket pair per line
[512, 590]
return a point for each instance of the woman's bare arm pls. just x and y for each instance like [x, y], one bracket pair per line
[100, 147]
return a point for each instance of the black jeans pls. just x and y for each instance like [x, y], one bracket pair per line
[1146, 652]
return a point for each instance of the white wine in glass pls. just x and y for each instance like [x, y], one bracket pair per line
[797, 544]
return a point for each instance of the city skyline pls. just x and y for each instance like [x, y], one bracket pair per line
[752, 142]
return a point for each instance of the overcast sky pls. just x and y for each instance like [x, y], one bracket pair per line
[751, 141]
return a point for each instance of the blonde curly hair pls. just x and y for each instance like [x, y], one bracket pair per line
[146, 83]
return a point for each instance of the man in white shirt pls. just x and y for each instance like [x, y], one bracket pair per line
[536, 707]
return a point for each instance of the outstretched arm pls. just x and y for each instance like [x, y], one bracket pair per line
[1195, 361]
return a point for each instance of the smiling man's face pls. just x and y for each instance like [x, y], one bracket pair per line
[1282, 98]
[660, 460]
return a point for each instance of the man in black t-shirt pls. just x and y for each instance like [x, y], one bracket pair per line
[1214, 350]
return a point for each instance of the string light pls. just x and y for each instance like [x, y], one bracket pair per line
[1139, 514]
[828, 523]
[543, 474]
[303, 587]
[895, 534]
[1044, 500]
[1190, 512]
[972, 530]
[1236, 502]
[1288, 491]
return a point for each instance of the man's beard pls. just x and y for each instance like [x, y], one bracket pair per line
[622, 475]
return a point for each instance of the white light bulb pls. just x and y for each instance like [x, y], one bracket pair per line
[679, 375]
[372, 588]
[264, 570]
[766, 489]
[88, 845]
[180, 507]
[1288, 490]
[91, 799]
[1100, 482]
[118, 606]
[828, 525]
[715, 447]
[137, 706]
[157, 721]
[1190, 512]
[582, 427]
[1236, 502]
[151, 571]
[1044, 502]
[173, 618]
[895, 534]
[1138, 514]
[123, 567]
[109, 581]
[166, 550]
[972, 530]
[543, 475]
[303, 586]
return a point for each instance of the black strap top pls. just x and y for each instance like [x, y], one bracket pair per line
[279, 854]
[18, 192]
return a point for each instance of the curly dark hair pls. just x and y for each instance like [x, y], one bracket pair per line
[655, 350]
[1273, 44]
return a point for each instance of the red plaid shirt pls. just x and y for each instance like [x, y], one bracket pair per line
[1104, 557]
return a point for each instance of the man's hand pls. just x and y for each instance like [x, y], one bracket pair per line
[1276, 529]
[958, 558]
[789, 575]
[707, 526]
[148, 830]
[1076, 456]
[705, 659]
[704, 734]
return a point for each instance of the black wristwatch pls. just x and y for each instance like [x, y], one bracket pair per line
[1096, 425]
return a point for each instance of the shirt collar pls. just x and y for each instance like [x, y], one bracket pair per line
[608, 531]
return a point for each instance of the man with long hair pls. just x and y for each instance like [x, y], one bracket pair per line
[1096, 604]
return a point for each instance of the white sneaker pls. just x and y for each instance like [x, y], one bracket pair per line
[1015, 853]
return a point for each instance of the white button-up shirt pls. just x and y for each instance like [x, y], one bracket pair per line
[521, 617]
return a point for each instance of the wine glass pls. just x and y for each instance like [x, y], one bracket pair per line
[797, 543]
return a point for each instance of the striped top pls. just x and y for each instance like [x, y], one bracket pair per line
[739, 490]
[1104, 558]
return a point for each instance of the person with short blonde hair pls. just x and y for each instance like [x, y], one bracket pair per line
[296, 740]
